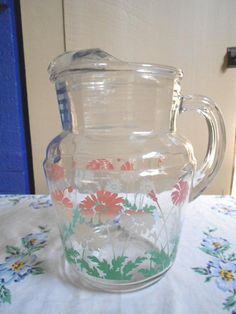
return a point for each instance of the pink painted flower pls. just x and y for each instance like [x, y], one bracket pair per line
[58, 196]
[55, 172]
[67, 203]
[102, 201]
[99, 164]
[160, 161]
[127, 166]
[153, 196]
[180, 193]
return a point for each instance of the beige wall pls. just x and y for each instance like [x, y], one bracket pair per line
[192, 35]
[42, 23]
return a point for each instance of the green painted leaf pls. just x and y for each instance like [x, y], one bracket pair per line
[128, 205]
[13, 250]
[118, 262]
[147, 272]
[230, 302]
[113, 271]
[94, 259]
[129, 267]
[69, 229]
[200, 270]
[174, 251]
[5, 295]
[149, 209]
[160, 258]
[132, 265]
[104, 267]
[139, 260]
[159, 261]
[83, 264]
[116, 270]
[146, 208]
[71, 255]
[92, 271]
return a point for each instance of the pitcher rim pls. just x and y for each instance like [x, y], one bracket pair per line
[65, 65]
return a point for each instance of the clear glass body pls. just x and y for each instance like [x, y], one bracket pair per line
[119, 174]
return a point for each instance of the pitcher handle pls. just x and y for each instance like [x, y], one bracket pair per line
[216, 140]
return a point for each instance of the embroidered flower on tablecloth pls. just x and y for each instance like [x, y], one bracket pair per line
[225, 204]
[228, 198]
[35, 241]
[225, 274]
[214, 244]
[180, 192]
[13, 199]
[21, 262]
[225, 209]
[42, 201]
[16, 268]
[221, 267]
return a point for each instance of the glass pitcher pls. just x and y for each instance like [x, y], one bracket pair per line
[119, 174]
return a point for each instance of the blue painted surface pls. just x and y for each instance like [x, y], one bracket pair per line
[14, 166]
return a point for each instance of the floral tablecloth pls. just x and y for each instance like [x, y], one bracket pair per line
[34, 278]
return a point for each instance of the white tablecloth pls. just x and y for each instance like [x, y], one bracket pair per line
[33, 280]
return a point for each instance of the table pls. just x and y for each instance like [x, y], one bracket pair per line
[33, 276]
